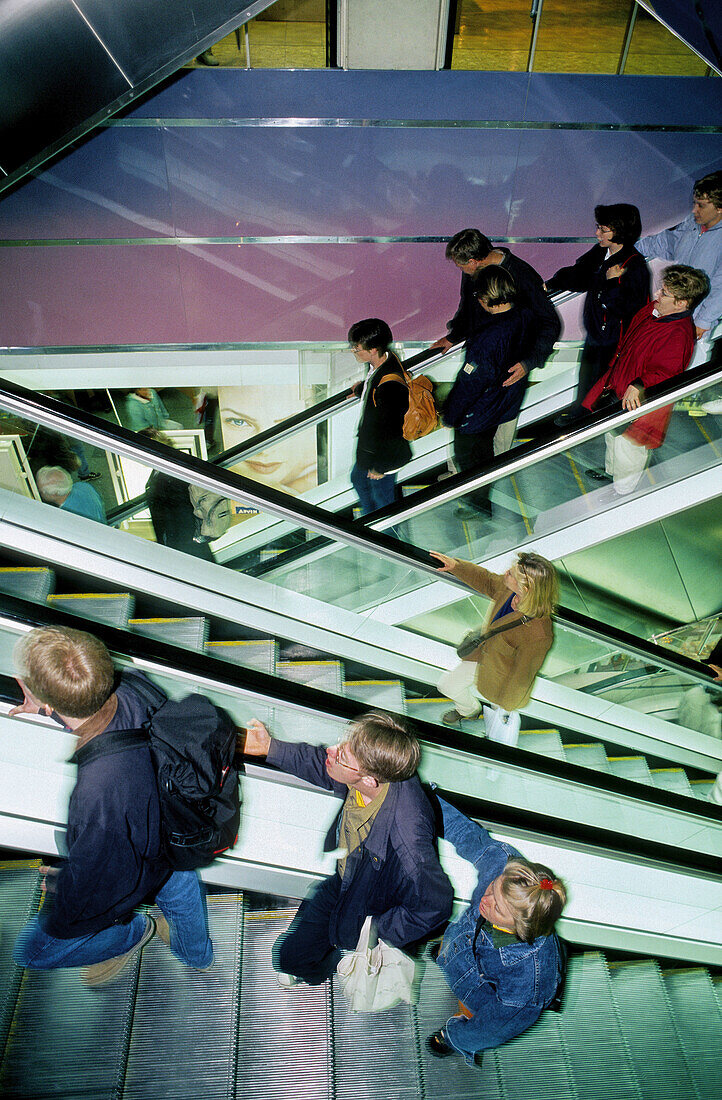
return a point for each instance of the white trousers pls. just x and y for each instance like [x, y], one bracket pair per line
[459, 685]
[625, 462]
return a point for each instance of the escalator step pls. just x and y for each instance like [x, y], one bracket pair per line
[432, 710]
[544, 742]
[111, 608]
[631, 767]
[18, 901]
[259, 655]
[699, 1023]
[387, 694]
[651, 1034]
[671, 779]
[32, 583]
[325, 675]
[588, 756]
[189, 633]
[185, 1021]
[595, 1044]
[701, 787]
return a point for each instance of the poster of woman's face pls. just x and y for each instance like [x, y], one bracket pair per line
[245, 411]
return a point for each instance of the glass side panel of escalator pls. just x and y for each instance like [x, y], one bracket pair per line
[464, 773]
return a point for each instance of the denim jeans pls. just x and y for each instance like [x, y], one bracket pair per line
[182, 902]
[373, 494]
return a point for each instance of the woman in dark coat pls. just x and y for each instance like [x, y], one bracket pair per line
[616, 279]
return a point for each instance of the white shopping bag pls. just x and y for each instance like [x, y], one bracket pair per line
[375, 978]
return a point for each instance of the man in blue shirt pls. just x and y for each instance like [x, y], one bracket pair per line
[697, 241]
[57, 487]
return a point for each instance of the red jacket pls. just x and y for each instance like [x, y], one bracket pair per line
[652, 349]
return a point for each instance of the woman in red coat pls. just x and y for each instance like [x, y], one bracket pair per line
[658, 344]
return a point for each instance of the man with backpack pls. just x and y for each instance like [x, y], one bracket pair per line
[119, 851]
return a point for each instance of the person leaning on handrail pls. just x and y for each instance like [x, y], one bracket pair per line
[501, 958]
[498, 675]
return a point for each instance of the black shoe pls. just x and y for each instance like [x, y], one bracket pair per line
[437, 1045]
[434, 951]
[598, 475]
[92, 476]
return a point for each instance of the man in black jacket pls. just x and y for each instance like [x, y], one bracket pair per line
[114, 854]
[388, 869]
[470, 251]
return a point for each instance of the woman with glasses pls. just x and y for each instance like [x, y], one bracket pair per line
[498, 674]
[615, 277]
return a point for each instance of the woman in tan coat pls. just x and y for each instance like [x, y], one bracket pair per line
[499, 674]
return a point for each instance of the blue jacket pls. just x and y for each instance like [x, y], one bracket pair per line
[478, 399]
[114, 856]
[395, 874]
[506, 988]
[687, 244]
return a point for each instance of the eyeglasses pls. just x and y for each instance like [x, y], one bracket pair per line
[338, 749]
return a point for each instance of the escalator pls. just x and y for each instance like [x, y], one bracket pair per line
[231, 1032]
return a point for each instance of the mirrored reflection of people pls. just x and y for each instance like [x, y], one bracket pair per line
[246, 411]
[658, 344]
[381, 449]
[470, 251]
[171, 510]
[616, 280]
[498, 676]
[479, 400]
[144, 409]
[501, 957]
[57, 487]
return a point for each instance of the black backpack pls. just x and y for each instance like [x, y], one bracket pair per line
[193, 746]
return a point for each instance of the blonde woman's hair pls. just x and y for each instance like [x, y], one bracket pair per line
[540, 585]
[384, 747]
[536, 896]
[68, 669]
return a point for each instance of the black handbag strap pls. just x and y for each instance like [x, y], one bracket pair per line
[506, 626]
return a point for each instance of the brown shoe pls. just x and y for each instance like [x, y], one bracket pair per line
[103, 973]
[451, 718]
[162, 928]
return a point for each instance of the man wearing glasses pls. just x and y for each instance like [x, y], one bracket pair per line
[390, 868]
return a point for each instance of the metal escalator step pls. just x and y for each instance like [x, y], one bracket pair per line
[654, 1046]
[449, 1077]
[701, 787]
[111, 608]
[433, 710]
[325, 675]
[32, 583]
[183, 1042]
[544, 742]
[387, 694]
[631, 767]
[259, 655]
[19, 895]
[671, 779]
[190, 632]
[284, 1042]
[588, 756]
[67, 1040]
[699, 1024]
[542, 1045]
[595, 1044]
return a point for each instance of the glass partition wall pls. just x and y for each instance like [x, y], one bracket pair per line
[356, 569]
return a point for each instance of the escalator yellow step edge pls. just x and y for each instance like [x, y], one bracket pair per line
[583, 745]
[537, 733]
[21, 864]
[656, 771]
[89, 596]
[622, 964]
[710, 780]
[438, 699]
[24, 569]
[179, 619]
[625, 758]
[248, 641]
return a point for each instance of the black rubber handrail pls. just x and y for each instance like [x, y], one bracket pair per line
[325, 704]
